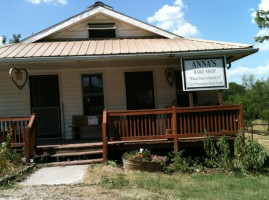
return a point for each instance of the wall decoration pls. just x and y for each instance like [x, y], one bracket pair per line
[18, 76]
[170, 75]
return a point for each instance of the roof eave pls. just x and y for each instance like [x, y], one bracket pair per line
[211, 53]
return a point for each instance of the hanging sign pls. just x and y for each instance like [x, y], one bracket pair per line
[18, 76]
[204, 74]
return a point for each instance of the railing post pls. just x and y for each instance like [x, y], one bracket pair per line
[241, 125]
[174, 129]
[27, 145]
[221, 101]
[191, 99]
[104, 134]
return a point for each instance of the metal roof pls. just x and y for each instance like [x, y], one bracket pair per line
[113, 47]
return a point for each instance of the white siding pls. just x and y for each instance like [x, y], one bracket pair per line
[13, 102]
[79, 31]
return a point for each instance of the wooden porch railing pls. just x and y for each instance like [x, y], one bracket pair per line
[172, 123]
[23, 133]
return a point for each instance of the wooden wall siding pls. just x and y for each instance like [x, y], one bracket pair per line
[79, 31]
[13, 102]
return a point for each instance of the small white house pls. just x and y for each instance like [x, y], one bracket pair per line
[103, 59]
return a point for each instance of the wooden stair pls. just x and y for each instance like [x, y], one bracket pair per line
[70, 154]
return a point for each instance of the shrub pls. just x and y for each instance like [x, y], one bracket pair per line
[9, 158]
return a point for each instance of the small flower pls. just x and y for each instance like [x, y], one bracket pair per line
[141, 150]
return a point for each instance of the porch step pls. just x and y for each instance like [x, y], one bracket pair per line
[76, 162]
[71, 154]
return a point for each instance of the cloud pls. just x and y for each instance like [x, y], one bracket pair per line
[55, 2]
[235, 74]
[171, 18]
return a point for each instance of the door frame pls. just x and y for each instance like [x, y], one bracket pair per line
[61, 106]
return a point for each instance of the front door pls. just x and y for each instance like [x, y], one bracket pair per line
[45, 102]
[139, 90]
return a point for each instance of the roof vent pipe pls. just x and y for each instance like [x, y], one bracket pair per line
[99, 3]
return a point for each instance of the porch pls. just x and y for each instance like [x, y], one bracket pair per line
[132, 129]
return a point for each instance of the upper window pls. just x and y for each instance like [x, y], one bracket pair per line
[104, 30]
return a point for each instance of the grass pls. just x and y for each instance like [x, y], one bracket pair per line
[145, 185]
[215, 185]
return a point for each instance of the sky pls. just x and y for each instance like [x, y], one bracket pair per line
[229, 21]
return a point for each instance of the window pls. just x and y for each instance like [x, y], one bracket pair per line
[104, 30]
[93, 97]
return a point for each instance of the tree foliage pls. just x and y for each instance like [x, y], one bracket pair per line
[253, 94]
[15, 39]
[262, 20]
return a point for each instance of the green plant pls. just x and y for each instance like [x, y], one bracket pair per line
[224, 159]
[112, 163]
[211, 151]
[115, 183]
[145, 155]
[10, 160]
[179, 163]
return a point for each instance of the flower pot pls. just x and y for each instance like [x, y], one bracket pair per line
[130, 164]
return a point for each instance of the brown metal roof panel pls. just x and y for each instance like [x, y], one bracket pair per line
[155, 44]
[59, 49]
[147, 46]
[175, 45]
[198, 45]
[35, 48]
[139, 46]
[17, 50]
[124, 46]
[25, 50]
[84, 48]
[51, 49]
[92, 48]
[108, 47]
[100, 47]
[4, 51]
[115, 46]
[164, 46]
[131, 46]
[189, 45]
[67, 48]
[74, 51]
[42, 49]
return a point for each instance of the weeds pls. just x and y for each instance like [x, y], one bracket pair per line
[114, 183]
[10, 160]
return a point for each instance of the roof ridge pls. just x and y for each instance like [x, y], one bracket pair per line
[218, 42]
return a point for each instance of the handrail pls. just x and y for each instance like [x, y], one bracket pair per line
[12, 118]
[31, 122]
[104, 134]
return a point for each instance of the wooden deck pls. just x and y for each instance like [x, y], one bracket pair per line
[126, 130]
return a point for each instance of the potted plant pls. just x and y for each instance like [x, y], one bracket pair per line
[143, 160]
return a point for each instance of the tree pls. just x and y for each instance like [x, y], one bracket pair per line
[262, 20]
[15, 39]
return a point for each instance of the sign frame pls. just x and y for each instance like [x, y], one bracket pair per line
[212, 87]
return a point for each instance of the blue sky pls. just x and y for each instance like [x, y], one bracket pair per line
[229, 20]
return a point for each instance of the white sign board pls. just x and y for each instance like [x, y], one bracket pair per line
[204, 74]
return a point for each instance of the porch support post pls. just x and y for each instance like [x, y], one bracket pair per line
[104, 134]
[221, 102]
[174, 129]
[191, 99]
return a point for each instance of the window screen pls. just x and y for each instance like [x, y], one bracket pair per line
[93, 97]
[107, 30]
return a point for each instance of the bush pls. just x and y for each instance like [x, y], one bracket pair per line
[9, 158]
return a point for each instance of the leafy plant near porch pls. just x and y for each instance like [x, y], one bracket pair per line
[10, 160]
[248, 157]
